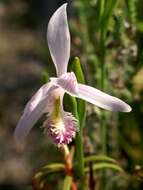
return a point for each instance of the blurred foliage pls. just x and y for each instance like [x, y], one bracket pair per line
[123, 76]
[123, 59]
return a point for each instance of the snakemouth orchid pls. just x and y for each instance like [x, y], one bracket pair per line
[60, 125]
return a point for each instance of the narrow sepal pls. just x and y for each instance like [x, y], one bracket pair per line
[58, 37]
[32, 112]
[101, 99]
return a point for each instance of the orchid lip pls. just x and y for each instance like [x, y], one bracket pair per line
[61, 126]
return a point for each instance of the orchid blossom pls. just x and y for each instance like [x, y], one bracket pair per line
[61, 125]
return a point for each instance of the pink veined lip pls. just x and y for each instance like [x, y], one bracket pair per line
[66, 133]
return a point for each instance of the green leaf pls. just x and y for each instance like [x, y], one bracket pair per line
[50, 168]
[81, 107]
[44, 77]
[100, 166]
[76, 68]
[71, 104]
[139, 26]
[110, 7]
[54, 167]
[97, 158]
[67, 183]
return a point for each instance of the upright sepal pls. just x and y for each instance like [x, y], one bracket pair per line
[58, 37]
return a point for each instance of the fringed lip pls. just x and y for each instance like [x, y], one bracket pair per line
[62, 130]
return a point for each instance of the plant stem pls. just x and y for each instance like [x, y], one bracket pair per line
[102, 59]
[103, 127]
[80, 158]
[102, 122]
[79, 149]
[101, 5]
[79, 154]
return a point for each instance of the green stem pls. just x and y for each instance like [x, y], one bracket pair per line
[79, 113]
[102, 59]
[103, 127]
[102, 49]
[79, 154]
[101, 5]
[102, 122]
[80, 158]
[67, 183]
[79, 149]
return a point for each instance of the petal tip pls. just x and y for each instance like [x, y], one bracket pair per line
[18, 139]
[128, 108]
[121, 106]
[19, 143]
[64, 5]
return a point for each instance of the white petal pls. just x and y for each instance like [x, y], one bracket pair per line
[67, 82]
[58, 37]
[36, 99]
[32, 112]
[102, 99]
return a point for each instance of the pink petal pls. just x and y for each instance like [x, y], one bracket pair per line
[67, 82]
[63, 130]
[59, 39]
[102, 99]
[32, 112]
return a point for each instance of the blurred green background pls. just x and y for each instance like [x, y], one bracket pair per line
[24, 58]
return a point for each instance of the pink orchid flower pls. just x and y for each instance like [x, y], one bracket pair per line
[61, 125]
